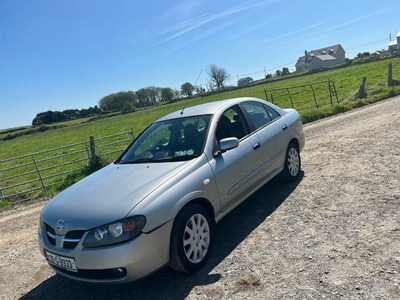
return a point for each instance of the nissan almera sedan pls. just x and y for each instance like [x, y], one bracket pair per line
[158, 203]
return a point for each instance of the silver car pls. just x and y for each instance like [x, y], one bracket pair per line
[158, 203]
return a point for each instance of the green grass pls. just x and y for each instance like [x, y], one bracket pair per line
[4, 205]
[347, 81]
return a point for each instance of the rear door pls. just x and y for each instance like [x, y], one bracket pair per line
[271, 128]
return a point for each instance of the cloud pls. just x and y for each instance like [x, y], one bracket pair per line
[381, 11]
[186, 26]
[269, 44]
[190, 24]
[183, 10]
[204, 34]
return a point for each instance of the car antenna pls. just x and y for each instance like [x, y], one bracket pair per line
[184, 105]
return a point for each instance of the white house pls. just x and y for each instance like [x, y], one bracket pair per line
[322, 58]
[394, 45]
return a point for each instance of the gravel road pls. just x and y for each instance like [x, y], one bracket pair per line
[334, 234]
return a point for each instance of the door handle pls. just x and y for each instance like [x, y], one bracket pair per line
[284, 127]
[256, 146]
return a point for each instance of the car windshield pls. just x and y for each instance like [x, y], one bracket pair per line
[172, 140]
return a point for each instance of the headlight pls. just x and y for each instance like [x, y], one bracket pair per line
[114, 233]
[40, 224]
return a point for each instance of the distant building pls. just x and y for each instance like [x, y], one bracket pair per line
[321, 58]
[285, 71]
[377, 55]
[394, 46]
[245, 80]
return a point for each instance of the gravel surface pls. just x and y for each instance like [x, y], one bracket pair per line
[334, 234]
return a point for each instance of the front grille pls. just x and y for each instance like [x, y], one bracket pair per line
[69, 241]
[51, 234]
[72, 238]
[74, 234]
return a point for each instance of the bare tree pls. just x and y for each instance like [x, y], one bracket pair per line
[199, 89]
[217, 75]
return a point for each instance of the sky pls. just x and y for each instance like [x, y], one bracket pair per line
[58, 55]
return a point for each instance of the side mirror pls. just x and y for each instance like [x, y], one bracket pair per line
[228, 144]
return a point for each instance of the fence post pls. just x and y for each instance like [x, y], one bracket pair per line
[390, 75]
[361, 91]
[92, 150]
[132, 134]
[38, 171]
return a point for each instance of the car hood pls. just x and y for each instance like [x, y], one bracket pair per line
[108, 195]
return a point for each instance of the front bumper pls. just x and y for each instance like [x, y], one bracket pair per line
[128, 261]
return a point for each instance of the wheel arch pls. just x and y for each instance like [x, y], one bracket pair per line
[202, 202]
[295, 141]
[190, 250]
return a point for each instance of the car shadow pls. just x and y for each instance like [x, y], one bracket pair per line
[166, 283]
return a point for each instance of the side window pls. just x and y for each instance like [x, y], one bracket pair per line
[224, 128]
[257, 114]
[272, 112]
[231, 124]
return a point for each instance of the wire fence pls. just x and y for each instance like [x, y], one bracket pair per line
[23, 177]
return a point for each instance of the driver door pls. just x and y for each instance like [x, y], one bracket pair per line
[237, 171]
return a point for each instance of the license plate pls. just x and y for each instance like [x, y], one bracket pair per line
[66, 263]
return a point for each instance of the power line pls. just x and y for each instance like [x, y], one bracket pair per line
[365, 45]
[265, 70]
[275, 68]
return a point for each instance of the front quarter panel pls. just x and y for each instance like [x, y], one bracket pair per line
[194, 182]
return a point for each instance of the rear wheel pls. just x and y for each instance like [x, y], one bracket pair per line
[291, 169]
[191, 239]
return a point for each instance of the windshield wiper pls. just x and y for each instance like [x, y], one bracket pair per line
[139, 160]
[181, 158]
[167, 159]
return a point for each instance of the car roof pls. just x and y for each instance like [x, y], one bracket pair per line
[209, 108]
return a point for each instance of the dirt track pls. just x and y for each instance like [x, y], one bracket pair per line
[333, 234]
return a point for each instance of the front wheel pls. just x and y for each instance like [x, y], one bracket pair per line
[191, 239]
[292, 165]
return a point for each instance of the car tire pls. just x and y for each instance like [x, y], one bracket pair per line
[292, 165]
[191, 239]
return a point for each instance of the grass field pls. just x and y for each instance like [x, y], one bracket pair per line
[347, 81]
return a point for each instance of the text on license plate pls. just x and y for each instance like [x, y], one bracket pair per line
[61, 261]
